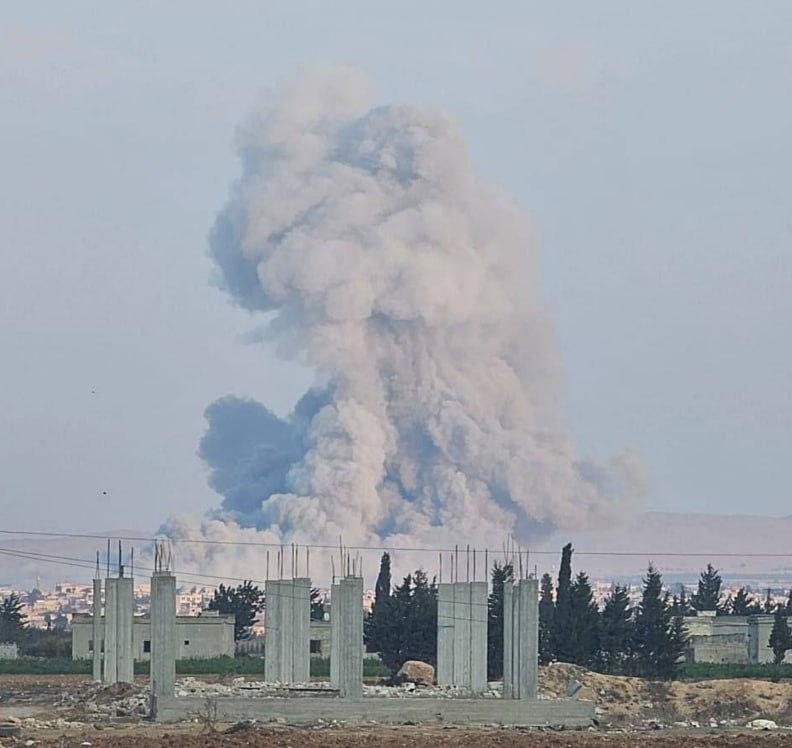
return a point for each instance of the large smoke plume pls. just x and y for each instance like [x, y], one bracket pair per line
[375, 255]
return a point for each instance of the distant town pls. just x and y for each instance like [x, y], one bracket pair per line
[55, 607]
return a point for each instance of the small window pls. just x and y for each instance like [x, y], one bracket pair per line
[316, 647]
[186, 642]
[147, 646]
[90, 645]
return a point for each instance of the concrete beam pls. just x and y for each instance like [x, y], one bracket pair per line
[300, 711]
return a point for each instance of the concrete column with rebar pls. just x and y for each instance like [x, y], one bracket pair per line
[346, 624]
[462, 635]
[110, 673]
[521, 639]
[96, 630]
[287, 630]
[163, 634]
[125, 657]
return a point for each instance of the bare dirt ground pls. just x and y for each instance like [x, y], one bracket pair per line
[68, 711]
[405, 737]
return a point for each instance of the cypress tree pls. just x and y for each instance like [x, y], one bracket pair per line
[709, 590]
[742, 604]
[584, 620]
[500, 575]
[562, 622]
[546, 620]
[378, 620]
[780, 637]
[382, 589]
[616, 632]
[660, 636]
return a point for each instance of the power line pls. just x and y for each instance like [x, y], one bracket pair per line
[383, 548]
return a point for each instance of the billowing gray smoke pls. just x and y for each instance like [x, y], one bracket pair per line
[376, 256]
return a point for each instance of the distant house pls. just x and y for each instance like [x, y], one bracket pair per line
[208, 635]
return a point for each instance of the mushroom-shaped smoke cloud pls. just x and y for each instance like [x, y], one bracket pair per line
[412, 289]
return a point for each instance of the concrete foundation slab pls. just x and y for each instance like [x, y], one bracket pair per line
[297, 711]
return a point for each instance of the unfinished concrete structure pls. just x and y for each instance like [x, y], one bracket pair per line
[346, 634]
[520, 639]
[462, 635]
[96, 627]
[118, 652]
[163, 626]
[286, 638]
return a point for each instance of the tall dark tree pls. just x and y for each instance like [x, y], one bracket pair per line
[546, 620]
[659, 638]
[709, 590]
[789, 603]
[317, 605]
[407, 626]
[382, 589]
[742, 604]
[616, 632]
[378, 620]
[561, 625]
[501, 576]
[245, 601]
[584, 621]
[13, 621]
[768, 603]
[780, 637]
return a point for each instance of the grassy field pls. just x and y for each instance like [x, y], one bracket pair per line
[215, 666]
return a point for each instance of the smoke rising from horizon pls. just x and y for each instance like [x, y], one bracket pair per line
[372, 253]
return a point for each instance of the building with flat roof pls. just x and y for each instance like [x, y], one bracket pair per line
[210, 634]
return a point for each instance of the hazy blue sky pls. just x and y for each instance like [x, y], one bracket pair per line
[651, 142]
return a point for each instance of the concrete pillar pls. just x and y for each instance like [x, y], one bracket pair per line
[478, 637]
[163, 634]
[521, 649]
[272, 622]
[301, 637]
[335, 634]
[346, 623]
[445, 634]
[96, 630]
[110, 674]
[508, 637]
[287, 636]
[125, 618]
[462, 617]
[462, 635]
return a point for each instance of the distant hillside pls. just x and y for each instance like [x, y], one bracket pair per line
[667, 539]
[77, 555]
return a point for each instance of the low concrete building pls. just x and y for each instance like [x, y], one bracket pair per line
[734, 640]
[209, 635]
[8, 651]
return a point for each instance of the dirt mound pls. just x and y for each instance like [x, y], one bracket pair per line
[635, 700]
